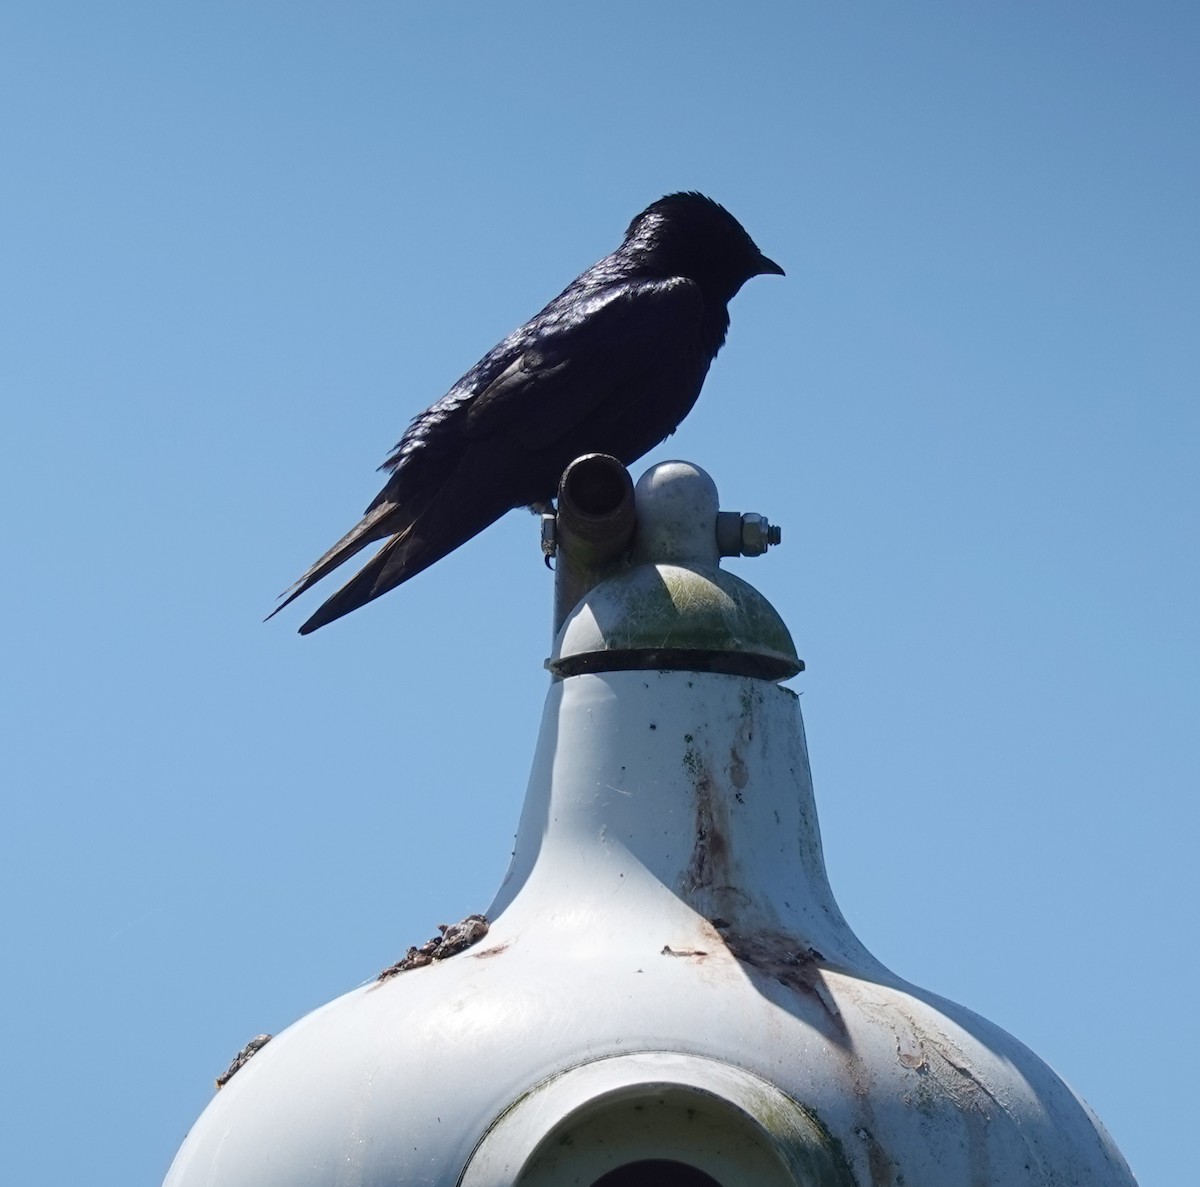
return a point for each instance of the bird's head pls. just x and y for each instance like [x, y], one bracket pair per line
[687, 234]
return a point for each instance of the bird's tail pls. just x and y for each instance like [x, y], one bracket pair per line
[365, 586]
[371, 527]
[445, 522]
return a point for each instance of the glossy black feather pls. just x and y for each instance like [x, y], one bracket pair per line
[611, 365]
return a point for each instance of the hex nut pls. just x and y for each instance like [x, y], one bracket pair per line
[756, 534]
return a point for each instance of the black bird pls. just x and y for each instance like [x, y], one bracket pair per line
[611, 365]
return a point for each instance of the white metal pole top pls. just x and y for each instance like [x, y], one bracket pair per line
[667, 986]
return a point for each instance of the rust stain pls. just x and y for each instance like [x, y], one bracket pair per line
[883, 1171]
[494, 950]
[738, 775]
[779, 956]
[710, 853]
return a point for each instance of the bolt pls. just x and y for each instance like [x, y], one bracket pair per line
[745, 535]
[757, 534]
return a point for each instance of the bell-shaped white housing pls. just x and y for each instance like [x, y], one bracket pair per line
[667, 979]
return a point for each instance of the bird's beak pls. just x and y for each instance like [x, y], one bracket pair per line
[768, 267]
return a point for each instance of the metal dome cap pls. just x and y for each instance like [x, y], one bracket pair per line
[675, 607]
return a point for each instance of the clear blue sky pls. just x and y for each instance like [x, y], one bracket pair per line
[246, 242]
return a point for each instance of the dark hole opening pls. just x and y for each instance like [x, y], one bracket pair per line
[597, 485]
[656, 1172]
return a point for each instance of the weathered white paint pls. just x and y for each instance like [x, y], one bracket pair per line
[667, 975]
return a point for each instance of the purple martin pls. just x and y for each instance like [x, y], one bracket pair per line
[611, 365]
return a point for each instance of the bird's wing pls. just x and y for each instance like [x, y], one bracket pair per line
[583, 353]
[465, 461]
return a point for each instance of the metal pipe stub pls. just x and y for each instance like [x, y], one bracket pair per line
[593, 528]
